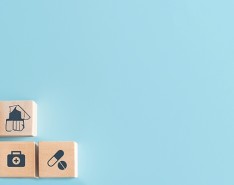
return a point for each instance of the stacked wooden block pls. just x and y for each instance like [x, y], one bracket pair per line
[29, 159]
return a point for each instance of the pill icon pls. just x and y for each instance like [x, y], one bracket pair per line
[62, 165]
[53, 160]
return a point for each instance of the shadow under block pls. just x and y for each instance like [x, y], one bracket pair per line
[18, 118]
[58, 159]
[18, 159]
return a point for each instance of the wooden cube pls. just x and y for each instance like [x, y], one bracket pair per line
[58, 159]
[18, 118]
[18, 159]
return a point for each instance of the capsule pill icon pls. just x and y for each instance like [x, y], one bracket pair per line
[55, 158]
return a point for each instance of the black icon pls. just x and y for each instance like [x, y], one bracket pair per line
[16, 159]
[62, 165]
[17, 115]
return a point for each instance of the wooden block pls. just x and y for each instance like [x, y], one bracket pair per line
[58, 159]
[18, 118]
[17, 159]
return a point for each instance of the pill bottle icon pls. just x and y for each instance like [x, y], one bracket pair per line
[62, 165]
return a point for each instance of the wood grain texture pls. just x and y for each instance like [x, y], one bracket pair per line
[65, 167]
[30, 125]
[28, 149]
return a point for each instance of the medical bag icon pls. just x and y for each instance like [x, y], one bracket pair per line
[16, 119]
[16, 159]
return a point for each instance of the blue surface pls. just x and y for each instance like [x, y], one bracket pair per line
[145, 86]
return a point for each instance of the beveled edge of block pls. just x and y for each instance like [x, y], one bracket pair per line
[34, 126]
[76, 153]
[36, 160]
[18, 101]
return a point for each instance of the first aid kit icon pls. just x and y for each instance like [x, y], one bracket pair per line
[16, 159]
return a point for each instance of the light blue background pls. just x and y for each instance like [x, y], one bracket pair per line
[145, 86]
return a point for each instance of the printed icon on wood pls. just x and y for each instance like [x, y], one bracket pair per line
[18, 159]
[62, 165]
[58, 159]
[18, 118]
